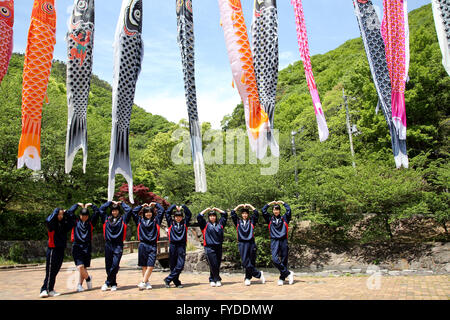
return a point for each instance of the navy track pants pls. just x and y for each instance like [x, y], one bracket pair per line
[247, 251]
[113, 254]
[54, 261]
[177, 258]
[280, 251]
[214, 258]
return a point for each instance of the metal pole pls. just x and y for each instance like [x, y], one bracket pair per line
[349, 128]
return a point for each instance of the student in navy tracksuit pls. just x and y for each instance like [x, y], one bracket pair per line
[58, 225]
[177, 233]
[212, 241]
[114, 232]
[245, 228]
[278, 229]
[81, 238]
[148, 219]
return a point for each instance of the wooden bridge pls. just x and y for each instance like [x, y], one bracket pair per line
[162, 253]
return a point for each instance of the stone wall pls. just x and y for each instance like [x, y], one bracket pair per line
[393, 258]
[433, 257]
[34, 250]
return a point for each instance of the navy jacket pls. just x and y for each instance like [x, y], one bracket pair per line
[148, 229]
[245, 229]
[57, 230]
[212, 233]
[82, 231]
[178, 231]
[278, 227]
[115, 229]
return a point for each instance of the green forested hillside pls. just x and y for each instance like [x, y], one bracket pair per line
[330, 193]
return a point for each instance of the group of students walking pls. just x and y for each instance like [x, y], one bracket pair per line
[148, 219]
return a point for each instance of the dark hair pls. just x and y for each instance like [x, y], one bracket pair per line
[84, 212]
[178, 213]
[212, 213]
[245, 210]
[114, 207]
[277, 207]
[146, 209]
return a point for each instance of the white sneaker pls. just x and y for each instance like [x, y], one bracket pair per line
[114, 288]
[212, 284]
[247, 282]
[291, 277]
[105, 287]
[53, 294]
[44, 294]
[263, 280]
[280, 282]
[141, 285]
[148, 286]
[89, 283]
[218, 284]
[80, 288]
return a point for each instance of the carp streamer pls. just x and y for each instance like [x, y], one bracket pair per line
[369, 25]
[6, 35]
[80, 47]
[36, 72]
[441, 13]
[306, 58]
[266, 60]
[185, 23]
[241, 61]
[128, 56]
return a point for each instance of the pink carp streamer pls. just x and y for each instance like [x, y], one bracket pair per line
[306, 58]
[395, 32]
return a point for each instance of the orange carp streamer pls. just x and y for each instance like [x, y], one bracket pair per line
[241, 60]
[6, 35]
[36, 72]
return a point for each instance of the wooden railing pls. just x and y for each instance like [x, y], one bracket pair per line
[162, 248]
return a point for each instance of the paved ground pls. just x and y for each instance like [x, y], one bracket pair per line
[24, 284]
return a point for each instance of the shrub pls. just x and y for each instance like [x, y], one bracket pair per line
[16, 253]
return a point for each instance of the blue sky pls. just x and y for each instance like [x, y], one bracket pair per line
[160, 89]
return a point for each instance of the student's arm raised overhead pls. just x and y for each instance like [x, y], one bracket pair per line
[50, 221]
[234, 217]
[71, 218]
[201, 218]
[159, 213]
[187, 215]
[95, 215]
[102, 210]
[73, 208]
[223, 217]
[127, 209]
[169, 215]
[255, 216]
[135, 214]
[288, 214]
[265, 214]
